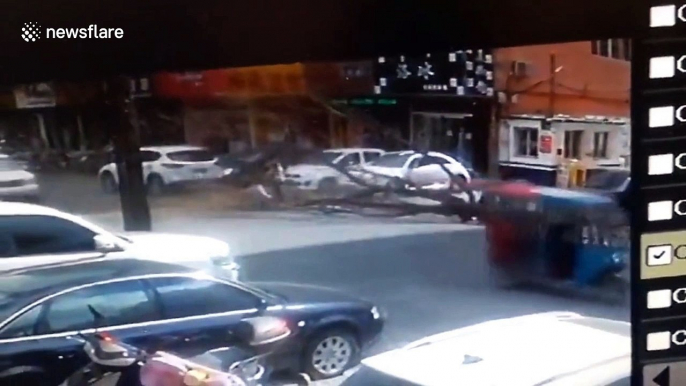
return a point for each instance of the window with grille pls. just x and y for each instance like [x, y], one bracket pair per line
[600, 140]
[612, 48]
[526, 142]
[573, 144]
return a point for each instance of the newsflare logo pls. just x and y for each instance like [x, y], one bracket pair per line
[31, 32]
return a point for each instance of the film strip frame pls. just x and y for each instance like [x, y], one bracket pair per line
[658, 190]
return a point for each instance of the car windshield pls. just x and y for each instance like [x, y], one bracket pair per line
[607, 179]
[330, 156]
[191, 156]
[376, 180]
[391, 160]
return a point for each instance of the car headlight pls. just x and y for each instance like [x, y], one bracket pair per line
[375, 313]
[228, 171]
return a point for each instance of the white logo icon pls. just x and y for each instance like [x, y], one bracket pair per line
[425, 71]
[30, 32]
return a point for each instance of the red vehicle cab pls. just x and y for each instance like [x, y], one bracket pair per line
[510, 207]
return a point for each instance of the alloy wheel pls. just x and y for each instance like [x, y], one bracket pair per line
[332, 355]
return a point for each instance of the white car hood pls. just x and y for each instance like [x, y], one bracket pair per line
[522, 351]
[11, 175]
[176, 248]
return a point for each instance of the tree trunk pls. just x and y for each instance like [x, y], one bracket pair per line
[494, 142]
[132, 193]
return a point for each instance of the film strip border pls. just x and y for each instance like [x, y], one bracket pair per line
[658, 175]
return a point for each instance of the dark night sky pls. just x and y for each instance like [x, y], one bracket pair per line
[200, 34]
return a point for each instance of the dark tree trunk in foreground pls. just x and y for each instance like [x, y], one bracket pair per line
[132, 193]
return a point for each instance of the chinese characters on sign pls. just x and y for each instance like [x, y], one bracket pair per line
[461, 73]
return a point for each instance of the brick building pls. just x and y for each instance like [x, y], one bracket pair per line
[561, 104]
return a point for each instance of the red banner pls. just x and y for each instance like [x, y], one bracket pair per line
[248, 82]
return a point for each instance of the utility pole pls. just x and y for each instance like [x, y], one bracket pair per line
[132, 194]
[553, 84]
[493, 169]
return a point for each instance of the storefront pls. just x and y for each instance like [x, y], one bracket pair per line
[232, 110]
[72, 117]
[443, 102]
[542, 150]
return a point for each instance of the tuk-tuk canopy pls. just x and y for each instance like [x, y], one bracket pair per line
[518, 189]
[566, 206]
[573, 198]
[554, 204]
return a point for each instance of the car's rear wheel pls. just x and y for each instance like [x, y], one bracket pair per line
[155, 185]
[107, 183]
[331, 353]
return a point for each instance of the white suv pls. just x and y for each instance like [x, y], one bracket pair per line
[37, 235]
[165, 166]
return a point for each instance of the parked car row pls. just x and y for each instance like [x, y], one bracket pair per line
[377, 168]
[167, 166]
[62, 277]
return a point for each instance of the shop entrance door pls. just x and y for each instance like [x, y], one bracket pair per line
[448, 133]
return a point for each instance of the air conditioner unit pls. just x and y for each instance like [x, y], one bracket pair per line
[519, 69]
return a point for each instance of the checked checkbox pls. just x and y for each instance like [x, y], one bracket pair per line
[658, 255]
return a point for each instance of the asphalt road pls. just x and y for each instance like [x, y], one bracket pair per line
[427, 273]
[429, 277]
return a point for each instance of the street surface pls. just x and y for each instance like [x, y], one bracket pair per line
[428, 274]
[429, 278]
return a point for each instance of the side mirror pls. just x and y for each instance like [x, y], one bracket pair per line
[261, 330]
[106, 244]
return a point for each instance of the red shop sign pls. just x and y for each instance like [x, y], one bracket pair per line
[546, 145]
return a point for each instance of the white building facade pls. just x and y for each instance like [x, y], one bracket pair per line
[541, 149]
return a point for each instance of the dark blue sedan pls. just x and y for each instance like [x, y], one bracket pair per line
[144, 303]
